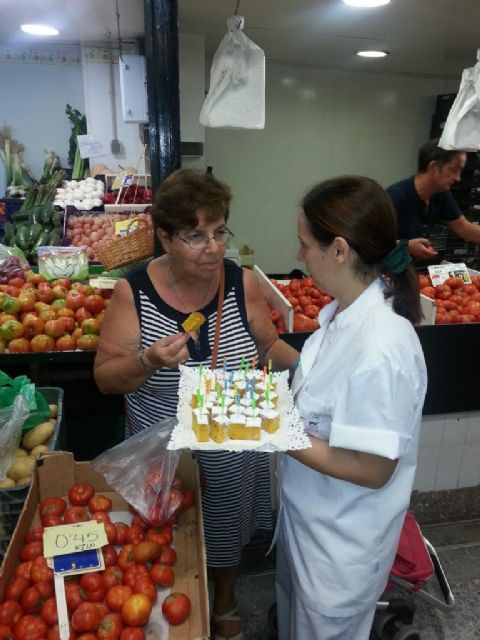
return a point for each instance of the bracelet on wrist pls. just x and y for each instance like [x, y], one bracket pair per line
[141, 357]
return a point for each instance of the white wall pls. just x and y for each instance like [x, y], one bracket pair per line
[33, 98]
[192, 93]
[319, 123]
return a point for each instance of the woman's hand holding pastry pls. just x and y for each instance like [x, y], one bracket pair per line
[168, 352]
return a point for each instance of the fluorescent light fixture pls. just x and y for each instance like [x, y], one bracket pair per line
[366, 3]
[39, 29]
[372, 54]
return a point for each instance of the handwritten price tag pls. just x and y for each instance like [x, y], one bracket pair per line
[72, 538]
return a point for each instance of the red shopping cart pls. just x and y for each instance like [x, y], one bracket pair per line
[415, 563]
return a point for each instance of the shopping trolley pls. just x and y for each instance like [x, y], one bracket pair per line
[416, 561]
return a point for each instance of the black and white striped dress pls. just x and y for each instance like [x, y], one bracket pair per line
[237, 499]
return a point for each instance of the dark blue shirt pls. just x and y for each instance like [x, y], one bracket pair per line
[415, 218]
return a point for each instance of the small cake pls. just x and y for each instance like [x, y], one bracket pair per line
[272, 399]
[253, 427]
[219, 428]
[193, 322]
[236, 429]
[270, 420]
[200, 425]
[252, 412]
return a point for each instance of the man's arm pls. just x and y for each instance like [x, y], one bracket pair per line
[465, 229]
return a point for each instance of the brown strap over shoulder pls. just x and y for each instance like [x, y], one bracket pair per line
[221, 292]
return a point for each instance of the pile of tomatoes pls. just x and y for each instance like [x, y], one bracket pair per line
[455, 301]
[306, 300]
[114, 604]
[38, 316]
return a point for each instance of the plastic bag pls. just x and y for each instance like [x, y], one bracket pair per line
[12, 263]
[142, 470]
[11, 388]
[462, 128]
[237, 82]
[11, 422]
[63, 262]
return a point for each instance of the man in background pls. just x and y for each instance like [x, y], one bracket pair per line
[424, 199]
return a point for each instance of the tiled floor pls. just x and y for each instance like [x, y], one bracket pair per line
[458, 546]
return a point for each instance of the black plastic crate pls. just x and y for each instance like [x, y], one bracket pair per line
[444, 103]
[11, 500]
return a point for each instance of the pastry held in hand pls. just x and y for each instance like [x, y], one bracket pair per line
[193, 323]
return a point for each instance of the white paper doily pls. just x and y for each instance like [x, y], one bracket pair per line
[290, 435]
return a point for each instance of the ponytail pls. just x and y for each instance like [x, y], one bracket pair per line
[405, 290]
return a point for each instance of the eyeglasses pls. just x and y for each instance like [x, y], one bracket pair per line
[199, 241]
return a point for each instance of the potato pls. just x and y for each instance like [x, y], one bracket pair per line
[53, 410]
[19, 453]
[21, 468]
[8, 483]
[38, 450]
[38, 435]
[25, 480]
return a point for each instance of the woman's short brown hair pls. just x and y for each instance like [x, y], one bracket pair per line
[183, 194]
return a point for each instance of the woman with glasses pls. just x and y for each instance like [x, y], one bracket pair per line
[142, 345]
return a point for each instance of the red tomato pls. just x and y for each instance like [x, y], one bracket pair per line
[45, 588]
[24, 569]
[176, 608]
[470, 289]
[102, 608]
[32, 600]
[162, 575]
[94, 303]
[93, 583]
[74, 299]
[100, 516]
[75, 595]
[146, 551]
[65, 343]
[132, 633]
[5, 632]
[161, 535]
[86, 617]
[134, 572]
[145, 585]
[443, 292]
[35, 535]
[51, 521]
[87, 636]
[135, 535]
[111, 531]
[175, 501]
[122, 530]
[76, 514]
[80, 493]
[117, 596]
[10, 613]
[311, 310]
[136, 610]
[110, 556]
[49, 612]
[453, 283]
[62, 282]
[167, 556]
[30, 628]
[40, 571]
[111, 627]
[125, 558]
[31, 551]
[16, 588]
[137, 521]
[112, 576]
[99, 503]
[188, 498]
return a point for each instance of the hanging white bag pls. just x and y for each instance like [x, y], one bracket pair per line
[236, 98]
[462, 128]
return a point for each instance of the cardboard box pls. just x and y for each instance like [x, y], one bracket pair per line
[275, 298]
[57, 471]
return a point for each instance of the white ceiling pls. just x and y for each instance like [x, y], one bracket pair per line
[434, 38]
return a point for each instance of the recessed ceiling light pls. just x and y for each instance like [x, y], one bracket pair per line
[39, 29]
[373, 54]
[366, 3]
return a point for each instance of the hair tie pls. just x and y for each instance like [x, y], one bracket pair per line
[398, 259]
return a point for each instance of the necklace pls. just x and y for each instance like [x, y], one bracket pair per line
[180, 297]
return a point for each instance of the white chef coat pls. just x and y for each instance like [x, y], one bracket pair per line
[360, 385]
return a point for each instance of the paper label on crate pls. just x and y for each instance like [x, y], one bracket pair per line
[440, 272]
[123, 180]
[103, 282]
[123, 227]
[91, 146]
[72, 538]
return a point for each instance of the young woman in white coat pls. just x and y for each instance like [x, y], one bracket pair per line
[360, 387]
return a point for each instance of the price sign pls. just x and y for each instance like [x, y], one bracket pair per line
[123, 227]
[122, 180]
[441, 272]
[73, 538]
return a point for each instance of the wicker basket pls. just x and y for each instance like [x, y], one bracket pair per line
[134, 246]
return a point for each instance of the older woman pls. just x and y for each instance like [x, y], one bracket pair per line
[142, 345]
[360, 388]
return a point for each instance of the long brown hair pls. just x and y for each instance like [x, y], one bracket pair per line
[360, 211]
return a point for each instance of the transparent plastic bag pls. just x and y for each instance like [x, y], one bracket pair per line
[63, 262]
[142, 471]
[11, 422]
